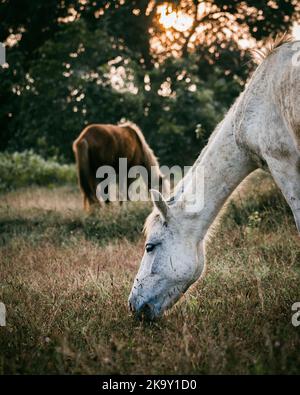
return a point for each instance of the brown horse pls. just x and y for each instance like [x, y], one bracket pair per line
[103, 145]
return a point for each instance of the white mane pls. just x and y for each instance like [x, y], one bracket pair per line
[262, 129]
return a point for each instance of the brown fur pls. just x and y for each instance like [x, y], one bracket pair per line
[103, 145]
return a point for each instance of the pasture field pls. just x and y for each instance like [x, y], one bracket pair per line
[65, 277]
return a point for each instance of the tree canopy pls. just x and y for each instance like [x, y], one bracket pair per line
[174, 68]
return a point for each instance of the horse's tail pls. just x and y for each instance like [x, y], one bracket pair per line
[81, 151]
[149, 159]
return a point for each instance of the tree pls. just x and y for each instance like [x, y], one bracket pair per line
[69, 87]
[73, 62]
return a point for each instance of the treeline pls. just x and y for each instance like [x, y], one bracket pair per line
[71, 63]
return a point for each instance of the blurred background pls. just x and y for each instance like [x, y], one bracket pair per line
[172, 67]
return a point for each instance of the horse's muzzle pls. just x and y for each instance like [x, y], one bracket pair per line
[143, 311]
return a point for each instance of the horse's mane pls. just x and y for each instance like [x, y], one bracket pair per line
[149, 156]
[152, 218]
[259, 55]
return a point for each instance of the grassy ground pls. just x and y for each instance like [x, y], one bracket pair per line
[65, 278]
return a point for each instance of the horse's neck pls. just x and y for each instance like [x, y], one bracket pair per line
[220, 168]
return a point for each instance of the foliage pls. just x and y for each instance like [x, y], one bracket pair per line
[68, 88]
[79, 91]
[65, 67]
[27, 168]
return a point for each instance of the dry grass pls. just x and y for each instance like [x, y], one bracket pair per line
[65, 279]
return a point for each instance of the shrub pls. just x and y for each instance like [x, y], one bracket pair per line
[21, 169]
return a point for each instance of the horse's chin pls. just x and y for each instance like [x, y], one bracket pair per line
[150, 310]
[147, 312]
[152, 307]
[168, 303]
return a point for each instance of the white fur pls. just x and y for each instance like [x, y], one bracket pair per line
[262, 129]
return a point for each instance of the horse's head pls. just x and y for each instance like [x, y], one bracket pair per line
[172, 261]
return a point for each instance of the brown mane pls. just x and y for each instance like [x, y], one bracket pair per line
[259, 55]
[149, 154]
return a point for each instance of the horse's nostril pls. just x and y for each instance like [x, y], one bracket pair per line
[143, 311]
[146, 311]
[146, 308]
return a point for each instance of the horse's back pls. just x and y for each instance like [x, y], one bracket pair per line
[283, 78]
[107, 143]
[268, 111]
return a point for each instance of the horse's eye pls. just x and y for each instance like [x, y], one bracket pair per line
[150, 247]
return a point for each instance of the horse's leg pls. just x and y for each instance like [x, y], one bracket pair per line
[100, 191]
[93, 201]
[86, 204]
[129, 182]
[88, 200]
[286, 173]
[122, 193]
[106, 191]
[118, 191]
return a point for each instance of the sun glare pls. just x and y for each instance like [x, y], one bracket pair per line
[296, 32]
[177, 20]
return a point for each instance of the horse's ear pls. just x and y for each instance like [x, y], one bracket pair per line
[160, 203]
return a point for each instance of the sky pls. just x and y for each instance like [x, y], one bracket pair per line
[181, 22]
[296, 32]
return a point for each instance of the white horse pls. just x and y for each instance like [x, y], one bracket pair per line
[261, 130]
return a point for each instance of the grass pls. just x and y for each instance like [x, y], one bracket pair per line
[65, 278]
